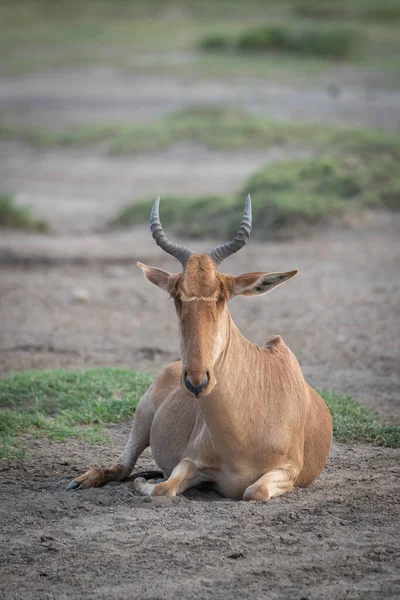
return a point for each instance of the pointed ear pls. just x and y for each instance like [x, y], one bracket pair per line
[256, 284]
[157, 276]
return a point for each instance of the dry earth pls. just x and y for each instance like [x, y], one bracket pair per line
[76, 96]
[339, 538]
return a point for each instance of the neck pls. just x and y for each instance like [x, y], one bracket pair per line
[236, 347]
[228, 404]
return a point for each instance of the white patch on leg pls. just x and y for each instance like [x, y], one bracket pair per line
[143, 487]
[127, 457]
[272, 484]
[278, 482]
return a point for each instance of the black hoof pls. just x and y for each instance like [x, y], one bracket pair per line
[75, 486]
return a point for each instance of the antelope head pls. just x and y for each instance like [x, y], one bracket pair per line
[201, 294]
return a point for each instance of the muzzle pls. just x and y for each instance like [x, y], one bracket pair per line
[196, 389]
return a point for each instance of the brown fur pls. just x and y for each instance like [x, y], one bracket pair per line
[256, 429]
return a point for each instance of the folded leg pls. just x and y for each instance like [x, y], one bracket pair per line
[273, 483]
[184, 476]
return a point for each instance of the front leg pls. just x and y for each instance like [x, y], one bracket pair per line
[273, 483]
[139, 439]
[184, 476]
[97, 477]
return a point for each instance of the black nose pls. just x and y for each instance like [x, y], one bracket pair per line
[196, 389]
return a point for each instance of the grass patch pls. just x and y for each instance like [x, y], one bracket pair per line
[368, 10]
[187, 215]
[286, 197]
[37, 35]
[311, 40]
[352, 422]
[62, 404]
[19, 217]
[214, 127]
[222, 128]
[144, 37]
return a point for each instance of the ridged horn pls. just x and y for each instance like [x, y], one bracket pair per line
[242, 237]
[180, 252]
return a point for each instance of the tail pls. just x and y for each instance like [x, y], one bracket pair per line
[147, 475]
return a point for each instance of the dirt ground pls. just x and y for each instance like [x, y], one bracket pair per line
[98, 94]
[76, 299]
[337, 539]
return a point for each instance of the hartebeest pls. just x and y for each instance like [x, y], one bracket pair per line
[230, 413]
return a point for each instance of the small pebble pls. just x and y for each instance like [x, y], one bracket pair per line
[79, 295]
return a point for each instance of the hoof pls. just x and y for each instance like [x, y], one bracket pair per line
[92, 478]
[138, 484]
[74, 485]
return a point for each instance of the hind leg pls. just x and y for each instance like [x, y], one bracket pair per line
[184, 476]
[139, 440]
[273, 483]
[317, 440]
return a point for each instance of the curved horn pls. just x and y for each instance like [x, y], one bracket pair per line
[180, 252]
[242, 237]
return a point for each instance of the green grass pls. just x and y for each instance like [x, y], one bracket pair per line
[39, 35]
[386, 12]
[340, 42]
[190, 216]
[222, 128]
[46, 34]
[64, 404]
[289, 198]
[19, 217]
[353, 422]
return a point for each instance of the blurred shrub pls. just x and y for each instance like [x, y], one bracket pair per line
[177, 211]
[332, 43]
[276, 37]
[383, 11]
[222, 127]
[321, 9]
[215, 42]
[18, 217]
[288, 198]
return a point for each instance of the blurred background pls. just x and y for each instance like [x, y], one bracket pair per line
[104, 104]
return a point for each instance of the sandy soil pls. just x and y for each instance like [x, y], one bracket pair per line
[77, 96]
[339, 539]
